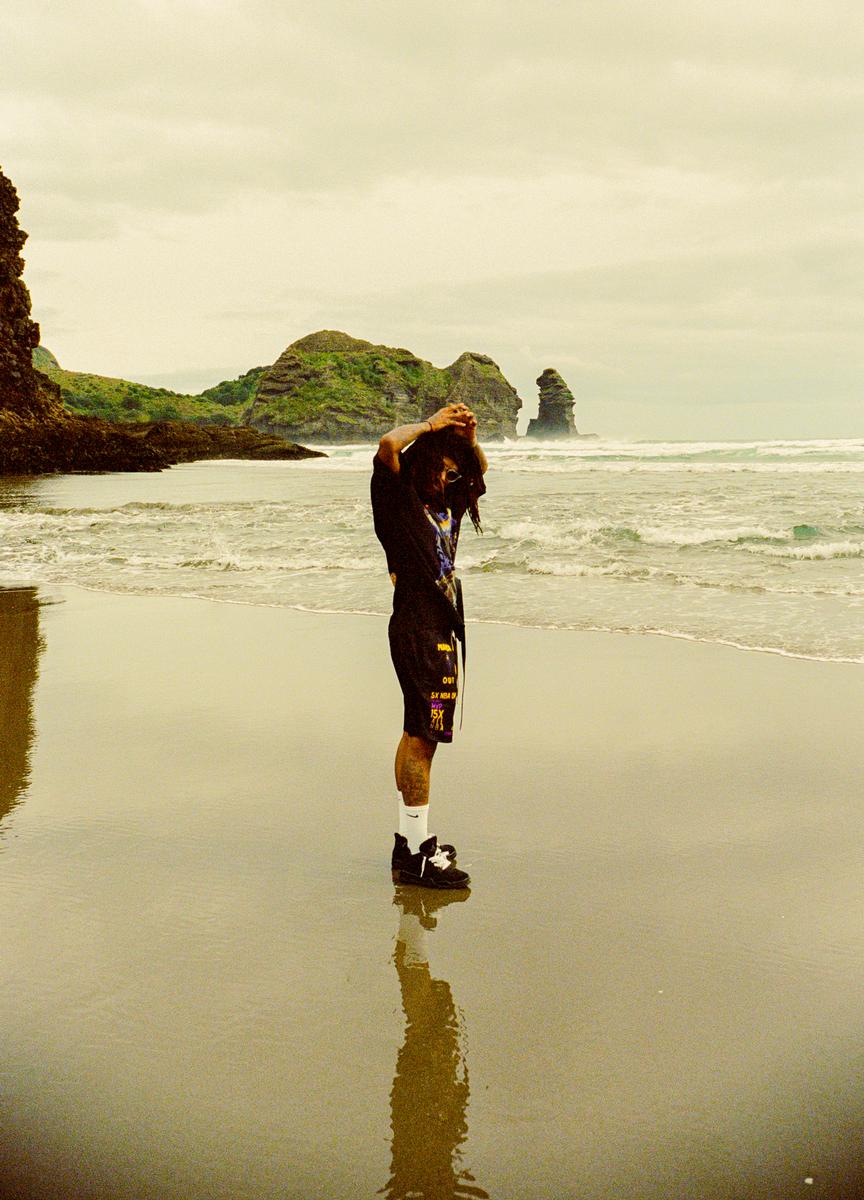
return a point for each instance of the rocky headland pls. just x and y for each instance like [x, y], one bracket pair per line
[331, 387]
[326, 387]
[39, 434]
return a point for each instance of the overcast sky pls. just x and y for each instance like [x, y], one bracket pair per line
[662, 199]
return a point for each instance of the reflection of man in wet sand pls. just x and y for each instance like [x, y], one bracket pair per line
[429, 1099]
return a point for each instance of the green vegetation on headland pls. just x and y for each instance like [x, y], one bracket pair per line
[123, 401]
[329, 386]
[326, 386]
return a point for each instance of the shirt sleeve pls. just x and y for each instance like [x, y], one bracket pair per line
[386, 485]
[387, 492]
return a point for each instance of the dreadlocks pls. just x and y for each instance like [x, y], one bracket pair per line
[425, 459]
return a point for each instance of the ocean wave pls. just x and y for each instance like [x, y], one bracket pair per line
[816, 553]
[617, 455]
[576, 534]
[635, 628]
[567, 568]
[564, 568]
[544, 466]
[231, 561]
[760, 558]
[604, 447]
[683, 537]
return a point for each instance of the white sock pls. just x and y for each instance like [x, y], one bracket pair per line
[414, 824]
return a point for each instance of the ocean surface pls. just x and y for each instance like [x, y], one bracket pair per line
[753, 544]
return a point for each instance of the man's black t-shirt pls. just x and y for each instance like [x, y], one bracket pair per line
[420, 547]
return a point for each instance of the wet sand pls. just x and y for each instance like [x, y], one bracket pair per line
[211, 988]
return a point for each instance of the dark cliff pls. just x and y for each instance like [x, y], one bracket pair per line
[19, 336]
[37, 434]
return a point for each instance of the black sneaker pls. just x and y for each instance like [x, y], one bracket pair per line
[401, 854]
[430, 867]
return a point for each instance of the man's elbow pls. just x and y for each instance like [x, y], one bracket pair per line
[388, 452]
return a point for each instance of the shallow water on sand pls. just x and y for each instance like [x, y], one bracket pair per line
[211, 988]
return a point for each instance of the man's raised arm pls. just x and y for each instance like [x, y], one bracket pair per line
[457, 416]
[469, 432]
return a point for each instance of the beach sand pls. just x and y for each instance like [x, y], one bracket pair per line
[652, 990]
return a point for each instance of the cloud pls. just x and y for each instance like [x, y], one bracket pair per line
[752, 328]
[664, 197]
[184, 107]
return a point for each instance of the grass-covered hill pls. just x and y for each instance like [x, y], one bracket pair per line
[327, 387]
[120, 400]
[337, 388]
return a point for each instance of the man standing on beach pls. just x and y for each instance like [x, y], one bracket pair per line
[425, 478]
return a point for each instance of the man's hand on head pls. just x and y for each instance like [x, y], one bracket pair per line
[457, 417]
[451, 416]
[469, 429]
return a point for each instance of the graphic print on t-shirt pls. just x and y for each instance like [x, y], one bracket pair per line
[445, 545]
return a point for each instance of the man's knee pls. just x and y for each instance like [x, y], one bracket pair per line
[420, 747]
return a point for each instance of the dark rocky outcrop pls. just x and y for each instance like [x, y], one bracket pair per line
[18, 334]
[34, 446]
[180, 441]
[329, 386]
[555, 417]
[37, 434]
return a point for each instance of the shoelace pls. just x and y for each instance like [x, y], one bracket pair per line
[440, 859]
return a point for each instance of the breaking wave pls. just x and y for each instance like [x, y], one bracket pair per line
[756, 544]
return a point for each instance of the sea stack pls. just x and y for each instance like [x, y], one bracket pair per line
[555, 417]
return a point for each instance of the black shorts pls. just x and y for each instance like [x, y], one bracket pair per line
[426, 666]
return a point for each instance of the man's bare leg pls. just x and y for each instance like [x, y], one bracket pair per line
[413, 765]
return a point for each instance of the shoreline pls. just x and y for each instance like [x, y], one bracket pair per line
[475, 622]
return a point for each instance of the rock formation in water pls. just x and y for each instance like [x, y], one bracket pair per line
[87, 444]
[329, 386]
[555, 416]
[36, 432]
